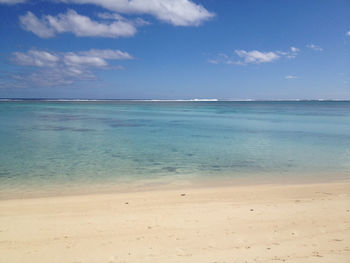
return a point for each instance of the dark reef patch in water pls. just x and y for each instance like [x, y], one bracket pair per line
[177, 121]
[114, 123]
[242, 165]
[200, 136]
[121, 124]
[63, 128]
[5, 174]
[70, 117]
[170, 169]
[216, 167]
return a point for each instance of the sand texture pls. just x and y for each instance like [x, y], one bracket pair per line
[266, 223]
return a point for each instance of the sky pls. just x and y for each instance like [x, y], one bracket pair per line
[175, 49]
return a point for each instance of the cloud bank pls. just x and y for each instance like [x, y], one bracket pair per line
[176, 12]
[256, 56]
[314, 47]
[113, 25]
[12, 2]
[291, 77]
[243, 57]
[79, 25]
[63, 68]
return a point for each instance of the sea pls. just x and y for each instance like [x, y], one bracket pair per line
[50, 147]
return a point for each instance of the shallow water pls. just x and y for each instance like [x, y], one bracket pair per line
[74, 143]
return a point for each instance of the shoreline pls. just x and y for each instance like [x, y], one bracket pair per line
[162, 184]
[291, 223]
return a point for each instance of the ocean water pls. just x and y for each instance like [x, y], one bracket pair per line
[72, 145]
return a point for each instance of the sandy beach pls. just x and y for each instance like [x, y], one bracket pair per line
[263, 223]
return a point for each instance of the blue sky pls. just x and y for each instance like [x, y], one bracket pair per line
[175, 49]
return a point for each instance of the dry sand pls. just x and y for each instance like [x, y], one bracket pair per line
[266, 223]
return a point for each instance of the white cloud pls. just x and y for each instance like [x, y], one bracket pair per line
[348, 33]
[64, 68]
[107, 54]
[176, 12]
[256, 56]
[294, 49]
[213, 61]
[314, 47]
[91, 58]
[253, 57]
[294, 52]
[12, 2]
[113, 16]
[94, 57]
[40, 28]
[58, 76]
[35, 58]
[79, 25]
[74, 60]
[291, 77]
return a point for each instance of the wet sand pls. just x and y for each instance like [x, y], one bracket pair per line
[252, 223]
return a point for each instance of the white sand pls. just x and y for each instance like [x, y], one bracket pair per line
[294, 223]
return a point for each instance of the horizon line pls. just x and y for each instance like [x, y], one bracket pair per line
[162, 100]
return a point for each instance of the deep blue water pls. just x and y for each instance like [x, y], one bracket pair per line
[72, 143]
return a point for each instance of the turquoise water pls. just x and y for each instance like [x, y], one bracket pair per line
[114, 143]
